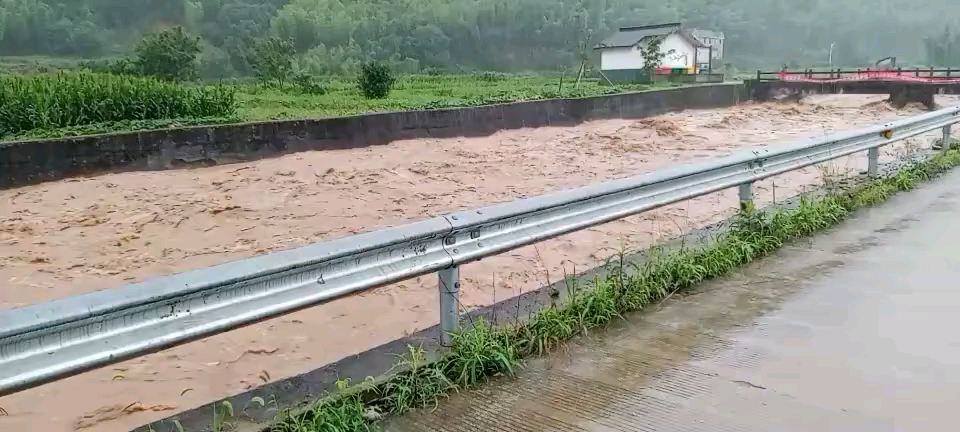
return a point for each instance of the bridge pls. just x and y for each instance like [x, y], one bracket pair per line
[851, 330]
[903, 86]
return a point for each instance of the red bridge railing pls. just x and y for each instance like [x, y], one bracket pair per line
[929, 76]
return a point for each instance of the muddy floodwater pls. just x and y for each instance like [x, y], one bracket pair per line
[79, 235]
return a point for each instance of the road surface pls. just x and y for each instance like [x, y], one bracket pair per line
[853, 330]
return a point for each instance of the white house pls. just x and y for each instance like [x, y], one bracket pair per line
[621, 55]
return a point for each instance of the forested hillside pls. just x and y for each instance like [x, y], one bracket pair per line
[335, 36]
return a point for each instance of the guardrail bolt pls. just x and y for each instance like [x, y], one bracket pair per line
[449, 303]
[873, 162]
[746, 196]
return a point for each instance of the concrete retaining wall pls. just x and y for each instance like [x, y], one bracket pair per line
[28, 162]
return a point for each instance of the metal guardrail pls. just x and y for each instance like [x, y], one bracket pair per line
[47, 342]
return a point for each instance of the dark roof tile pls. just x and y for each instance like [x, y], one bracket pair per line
[630, 35]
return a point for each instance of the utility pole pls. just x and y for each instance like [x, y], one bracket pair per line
[831, 54]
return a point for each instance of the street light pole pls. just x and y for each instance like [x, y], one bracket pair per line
[831, 53]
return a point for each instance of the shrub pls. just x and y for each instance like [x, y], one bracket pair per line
[434, 71]
[169, 55]
[375, 80]
[307, 84]
[492, 76]
[122, 66]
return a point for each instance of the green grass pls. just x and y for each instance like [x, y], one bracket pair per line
[415, 92]
[338, 97]
[119, 126]
[485, 351]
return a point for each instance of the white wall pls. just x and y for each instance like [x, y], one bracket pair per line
[703, 53]
[717, 45]
[621, 58]
[678, 53]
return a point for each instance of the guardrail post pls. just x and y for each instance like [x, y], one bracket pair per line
[746, 196]
[873, 162]
[449, 303]
[946, 138]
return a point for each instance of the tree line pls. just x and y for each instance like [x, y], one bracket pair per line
[171, 55]
[339, 36]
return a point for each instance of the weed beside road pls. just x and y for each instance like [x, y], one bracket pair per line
[485, 351]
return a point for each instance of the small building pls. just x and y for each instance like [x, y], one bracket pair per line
[621, 55]
[711, 39]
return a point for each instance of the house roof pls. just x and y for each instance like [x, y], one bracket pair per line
[689, 37]
[630, 35]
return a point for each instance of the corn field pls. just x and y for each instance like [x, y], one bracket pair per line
[81, 98]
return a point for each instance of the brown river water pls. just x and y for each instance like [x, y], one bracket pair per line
[79, 235]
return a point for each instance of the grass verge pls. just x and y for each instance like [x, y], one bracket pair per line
[122, 126]
[484, 351]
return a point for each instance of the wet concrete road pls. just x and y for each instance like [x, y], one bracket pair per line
[857, 329]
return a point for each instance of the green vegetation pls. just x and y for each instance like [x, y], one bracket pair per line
[484, 351]
[139, 92]
[413, 92]
[191, 105]
[272, 61]
[318, 58]
[375, 81]
[68, 100]
[169, 55]
[652, 56]
[336, 38]
[155, 89]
